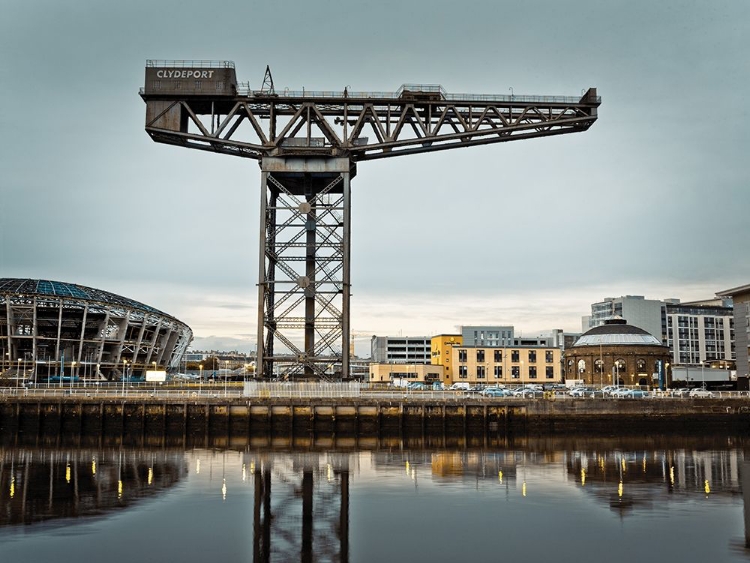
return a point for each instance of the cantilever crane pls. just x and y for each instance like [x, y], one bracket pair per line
[308, 144]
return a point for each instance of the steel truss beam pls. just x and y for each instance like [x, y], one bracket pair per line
[353, 126]
[303, 290]
[307, 143]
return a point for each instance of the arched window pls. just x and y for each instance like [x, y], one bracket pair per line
[598, 366]
[581, 366]
[641, 364]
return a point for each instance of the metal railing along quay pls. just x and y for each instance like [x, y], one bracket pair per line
[260, 390]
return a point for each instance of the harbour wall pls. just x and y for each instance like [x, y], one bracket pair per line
[366, 416]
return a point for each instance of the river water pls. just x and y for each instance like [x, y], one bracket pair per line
[524, 498]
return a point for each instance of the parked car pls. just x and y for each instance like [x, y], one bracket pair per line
[700, 393]
[619, 392]
[581, 392]
[681, 392]
[635, 394]
[494, 392]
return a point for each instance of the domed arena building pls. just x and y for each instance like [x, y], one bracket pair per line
[617, 353]
[50, 329]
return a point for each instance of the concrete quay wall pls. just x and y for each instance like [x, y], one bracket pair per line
[365, 416]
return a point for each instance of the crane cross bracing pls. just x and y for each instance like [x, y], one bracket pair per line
[308, 144]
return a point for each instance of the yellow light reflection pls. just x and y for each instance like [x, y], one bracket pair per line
[12, 487]
[224, 489]
[619, 490]
[407, 467]
[67, 473]
[706, 486]
[671, 475]
[244, 472]
[523, 488]
[252, 467]
[329, 472]
[198, 467]
[93, 466]
[583, 477]
[413, 474]
[150, 475]
[644, 463]
[500, 476]
[622, 463]
[119, 489]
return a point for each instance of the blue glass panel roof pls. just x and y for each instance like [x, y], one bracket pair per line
[70, 290]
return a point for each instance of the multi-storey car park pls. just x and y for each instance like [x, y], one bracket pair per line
[52, 329]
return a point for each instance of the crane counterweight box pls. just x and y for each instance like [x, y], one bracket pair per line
[191, 78]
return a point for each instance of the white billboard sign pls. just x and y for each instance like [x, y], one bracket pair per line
[158, 375]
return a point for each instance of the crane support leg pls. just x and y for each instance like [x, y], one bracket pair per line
[304, 270]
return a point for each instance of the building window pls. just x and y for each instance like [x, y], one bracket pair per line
[515, 372]
[157, 84]
[481, 372]
[220, 85]
[462, 355]
[197, 84]
[480, 355]
[549, 356]
[532, 356]
[599, 366]
[498, 371]
[463, 372]
[550, 372]
[498, 355]
[532, 372]
[641, 366]
[514, 356]
[620, 369]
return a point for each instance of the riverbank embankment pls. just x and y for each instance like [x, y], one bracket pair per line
[364, 415]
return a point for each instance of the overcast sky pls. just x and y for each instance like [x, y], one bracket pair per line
[653, 200]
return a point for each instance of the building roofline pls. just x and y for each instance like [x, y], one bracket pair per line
[734, 291]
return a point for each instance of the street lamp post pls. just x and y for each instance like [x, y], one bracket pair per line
[200, 379]
[124, 372]
[19, 369]
[226, 375]
[72, 373]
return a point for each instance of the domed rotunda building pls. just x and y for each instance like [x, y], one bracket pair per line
[617, 353]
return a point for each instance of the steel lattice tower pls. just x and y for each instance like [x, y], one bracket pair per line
[308, 144]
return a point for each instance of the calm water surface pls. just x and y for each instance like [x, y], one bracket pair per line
[530, 499]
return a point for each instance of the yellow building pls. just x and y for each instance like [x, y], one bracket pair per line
[511, 365]
[442, 346]
[423, 373]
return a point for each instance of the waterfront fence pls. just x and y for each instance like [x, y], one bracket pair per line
[302, 390]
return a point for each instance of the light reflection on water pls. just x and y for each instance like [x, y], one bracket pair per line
[537, 499]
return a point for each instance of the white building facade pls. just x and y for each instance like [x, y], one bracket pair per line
[701, 331]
